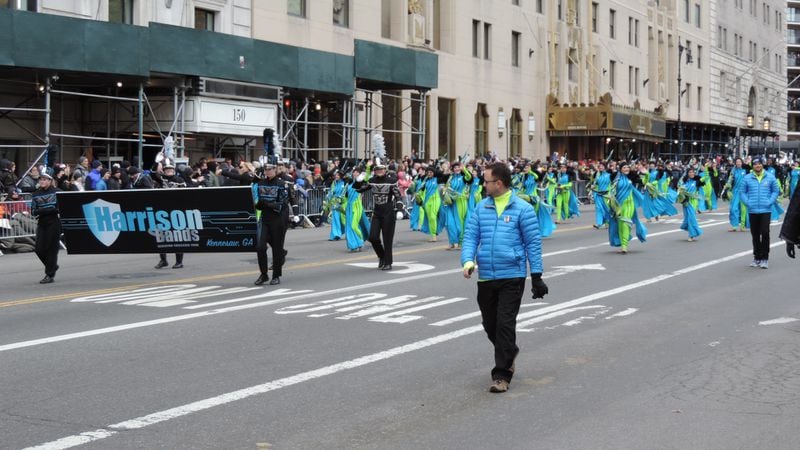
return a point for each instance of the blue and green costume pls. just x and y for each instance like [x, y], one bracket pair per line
[624, 199]
[690, 194]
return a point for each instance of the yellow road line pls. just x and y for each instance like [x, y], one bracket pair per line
[204, 278]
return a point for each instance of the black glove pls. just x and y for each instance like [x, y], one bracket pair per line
[538, 288]
[790, 249]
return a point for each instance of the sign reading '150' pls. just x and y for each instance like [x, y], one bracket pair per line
[239, 114]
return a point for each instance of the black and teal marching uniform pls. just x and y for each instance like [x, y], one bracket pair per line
[48, 229]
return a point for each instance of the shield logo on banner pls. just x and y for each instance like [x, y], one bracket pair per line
[99, 214]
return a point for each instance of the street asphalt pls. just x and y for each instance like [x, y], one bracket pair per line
[675, 345]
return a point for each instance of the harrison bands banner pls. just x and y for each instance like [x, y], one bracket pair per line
[159, 220]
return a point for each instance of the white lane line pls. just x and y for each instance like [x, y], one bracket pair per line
[403, 315]
[164, 320]
[624, 313]
[471, 315]
[201, 405]
[779, 321]
[543, 317]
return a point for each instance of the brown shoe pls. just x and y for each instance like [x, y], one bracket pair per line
[498, 386]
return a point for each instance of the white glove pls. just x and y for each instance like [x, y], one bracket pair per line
[399, 215]
[295, 219]
[360, 177]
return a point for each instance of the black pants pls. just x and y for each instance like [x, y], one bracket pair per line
[48, 243]
[382, 225]
[759, 230]
[178, 257]
[499, 301]
[272, 233]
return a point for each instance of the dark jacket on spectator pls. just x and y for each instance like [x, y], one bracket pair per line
[8, 179]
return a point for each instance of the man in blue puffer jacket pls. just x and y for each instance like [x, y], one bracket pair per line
[759, 191]
[502, 239]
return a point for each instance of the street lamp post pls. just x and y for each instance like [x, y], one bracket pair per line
[681, 49]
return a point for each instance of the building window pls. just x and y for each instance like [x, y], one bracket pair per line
[723, 84]
[203, 19]
[558, 9]
[515, 2]
[540, 6]
[447, 129]
[686, 15]
[481, 130]
[699, 98]
[688, 91]
[630, 79]
[725, 39]
[341, 12]
[572, 65]
[612, 74]
[636, 82]
[699, 57]
[630, 30]
[594, 16]
[697, 21]
[120, 11]
[296, 7]
[612, 18]
[515, 41]
[487, 41]
[636, 32]
[516, 132]
[476, 29]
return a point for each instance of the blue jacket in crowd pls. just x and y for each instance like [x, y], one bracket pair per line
[757, 195]
[503, 246]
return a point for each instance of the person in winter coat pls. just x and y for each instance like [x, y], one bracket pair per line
[790, 230]
[759, 192]
[502, 241]
[30, 182]
[8, 179]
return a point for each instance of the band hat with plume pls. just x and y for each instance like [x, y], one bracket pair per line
[379, 150]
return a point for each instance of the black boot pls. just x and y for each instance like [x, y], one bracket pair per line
[47, 279]
[387, 267]
[380, 265]
[263, 278]
[275, 280]
[161, 264]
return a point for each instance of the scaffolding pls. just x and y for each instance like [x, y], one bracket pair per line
[328, 127]
[342, 119]
[138, 106]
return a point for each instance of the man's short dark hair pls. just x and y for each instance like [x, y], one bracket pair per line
[500, 172]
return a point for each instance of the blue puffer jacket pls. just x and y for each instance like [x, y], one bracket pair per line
[759, 196]
[503, 246]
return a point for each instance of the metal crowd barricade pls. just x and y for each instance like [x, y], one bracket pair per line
[313, 202]
[581, 190]
[16, 221]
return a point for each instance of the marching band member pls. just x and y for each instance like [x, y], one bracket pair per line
[276, 199]
[624, 199]
[387, 202]
[690, 194]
